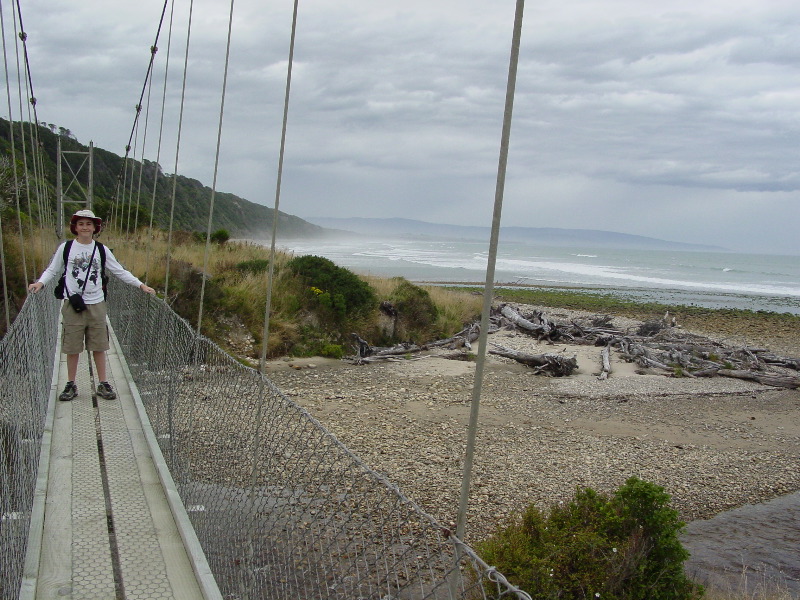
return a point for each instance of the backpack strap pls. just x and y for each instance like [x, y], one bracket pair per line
[103, 276]
[67, 246]
[102, 250]
[62, 285]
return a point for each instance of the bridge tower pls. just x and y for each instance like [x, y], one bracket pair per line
[85, 194]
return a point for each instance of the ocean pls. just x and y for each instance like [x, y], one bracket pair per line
[709, 279]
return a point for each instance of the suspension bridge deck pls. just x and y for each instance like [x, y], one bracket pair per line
[109, 529]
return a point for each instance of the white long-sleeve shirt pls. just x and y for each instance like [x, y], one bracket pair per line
[79, 269]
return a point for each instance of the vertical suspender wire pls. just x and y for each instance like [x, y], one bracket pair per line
[196, 354]
[26, 172]
[42, 195]
[135, 127]
[257, 450]
[33, 123]
[119, 195]
[149, 84]
[122, 185]
[157, 165]
[216, 171]
[13, 147]
[170, 405]
[275, 213]
[6, 299]
[177, 152]
[490, 267]
[144, 145]
[132, 162]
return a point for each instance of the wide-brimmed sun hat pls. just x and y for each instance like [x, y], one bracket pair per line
[85, 214]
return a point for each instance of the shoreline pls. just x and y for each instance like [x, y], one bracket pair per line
[666, 298]
[727, 280]
[713, 444]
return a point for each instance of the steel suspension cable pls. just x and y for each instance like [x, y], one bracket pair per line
[153, 50]
[488, 290]
[24, 37]
[216, 171]
[6, 299]
[3, 266]
[23, 251]
[134, 127]
[23, 140]
[122, 185]
[144, 148]
[132, 161]
[256, 450]
[158, 149]
[275, 213]
[36, 150]
[178, 151]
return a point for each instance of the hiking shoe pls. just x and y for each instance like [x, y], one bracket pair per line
[104, 391]
[70, 391]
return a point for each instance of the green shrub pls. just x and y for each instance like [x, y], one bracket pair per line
[332, 287]
[623, 547]
[332, 351]
[414, 304]
[220, 236]
[253, 267]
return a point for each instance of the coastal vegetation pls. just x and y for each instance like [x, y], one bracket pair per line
[623, 546]
[131, 191]
[315, 305]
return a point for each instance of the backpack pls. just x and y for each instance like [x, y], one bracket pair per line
[59, 291]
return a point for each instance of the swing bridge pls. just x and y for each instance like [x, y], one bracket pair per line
[202, 480]
[139, 498]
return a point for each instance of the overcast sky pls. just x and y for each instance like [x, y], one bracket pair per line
[678, 120]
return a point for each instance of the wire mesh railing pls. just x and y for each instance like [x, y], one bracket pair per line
[281, 508]
[27, 353]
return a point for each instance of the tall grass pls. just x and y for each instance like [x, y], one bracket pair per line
[237, 280]
[751, 586]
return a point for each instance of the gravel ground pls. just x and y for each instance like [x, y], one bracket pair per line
[714, 444]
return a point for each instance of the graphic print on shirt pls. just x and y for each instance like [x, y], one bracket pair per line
[81, 267]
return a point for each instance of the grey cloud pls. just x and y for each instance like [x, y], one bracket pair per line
[396, 106]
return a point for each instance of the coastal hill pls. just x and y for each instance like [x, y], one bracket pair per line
[544, 236]
[240, 217]
[245, 219]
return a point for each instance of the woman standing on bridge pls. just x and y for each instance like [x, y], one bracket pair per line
[83, 269]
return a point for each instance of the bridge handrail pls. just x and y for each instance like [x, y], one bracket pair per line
[281, 508]
[27, 355]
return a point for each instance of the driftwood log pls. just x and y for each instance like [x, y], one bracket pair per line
[556, 365]
[785, 381]
[605, 363]
[463, 339]
[658, 345]
[367, 354]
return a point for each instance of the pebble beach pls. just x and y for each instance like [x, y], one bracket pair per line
[712, 443]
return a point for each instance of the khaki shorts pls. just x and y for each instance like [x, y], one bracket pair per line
[89, 325]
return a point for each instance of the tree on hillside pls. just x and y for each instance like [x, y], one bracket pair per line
[8, 185]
